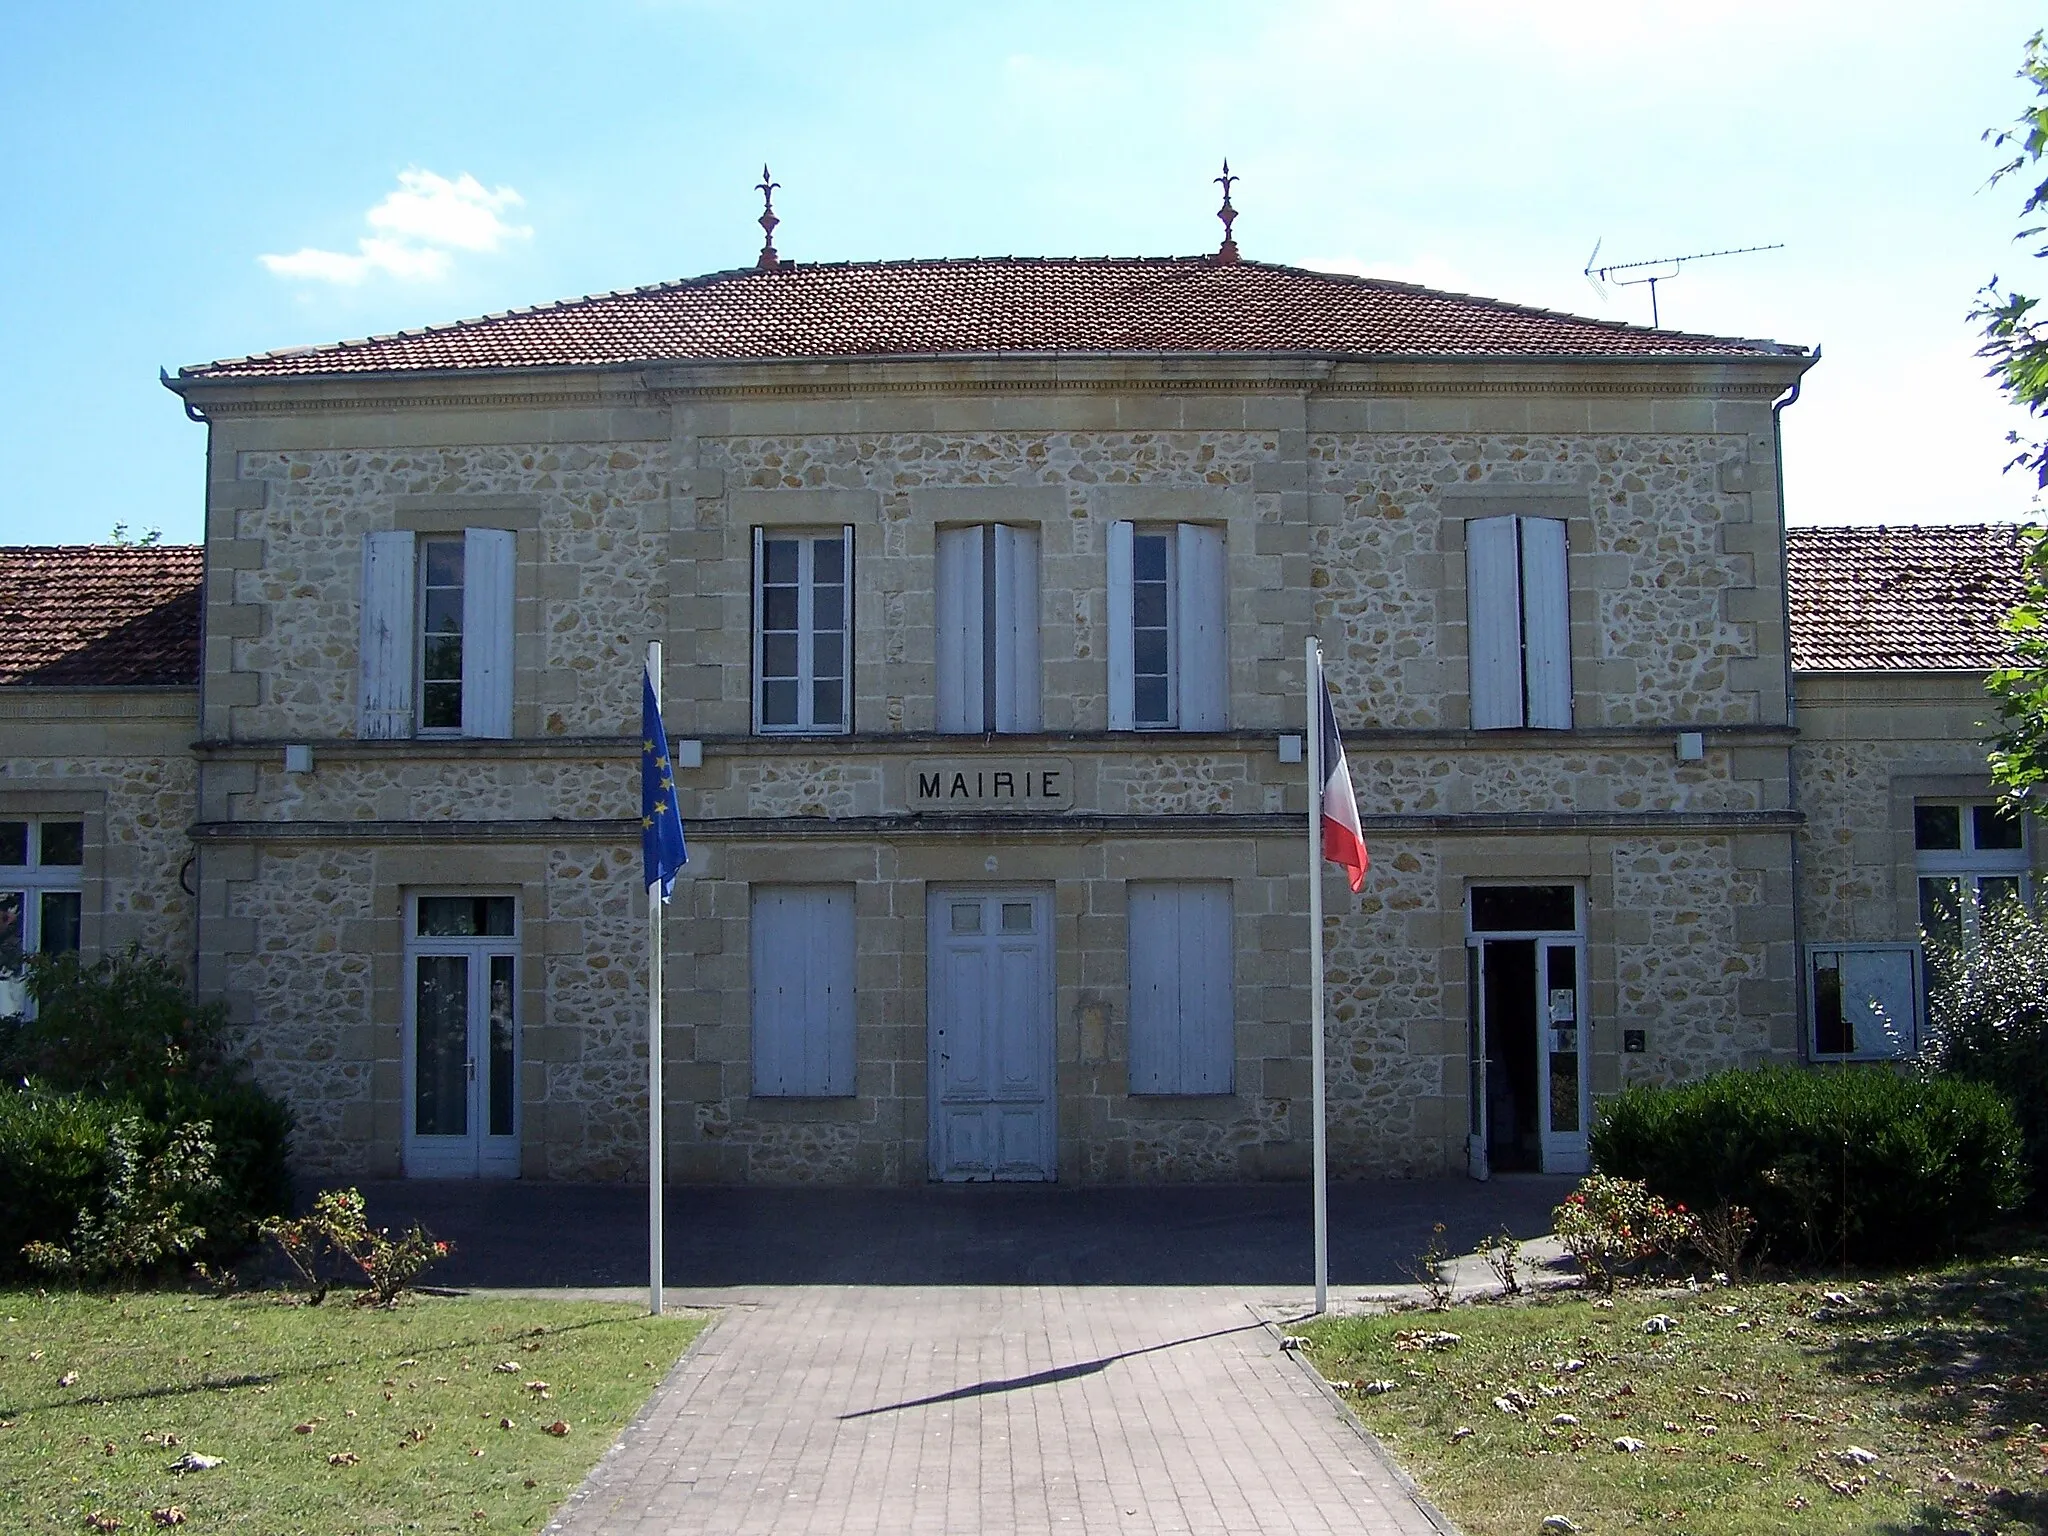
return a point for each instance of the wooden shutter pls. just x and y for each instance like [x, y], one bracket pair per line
[384, 699]
[802, 971]
[961, 706]
[1493, 622]
[1183, 999]
[1546, 623]
[1018, 687]
[1202, 653]
[1123, 693]
[489, 559]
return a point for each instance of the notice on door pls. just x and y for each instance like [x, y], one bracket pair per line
[991, 784]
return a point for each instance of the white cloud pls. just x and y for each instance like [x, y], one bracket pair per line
[416, 229]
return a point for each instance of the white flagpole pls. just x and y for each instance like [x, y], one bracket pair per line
[654, 1051]
[1317, 772]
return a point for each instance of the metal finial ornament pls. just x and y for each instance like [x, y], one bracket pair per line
[1228, 250]
[768, 260]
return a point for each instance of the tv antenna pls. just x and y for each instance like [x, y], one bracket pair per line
[1667, 267]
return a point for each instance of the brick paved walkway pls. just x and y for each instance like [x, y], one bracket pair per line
[999, 1409]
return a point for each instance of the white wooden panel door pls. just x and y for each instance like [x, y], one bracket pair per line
[1546, 623]
[961, 706]
[1493, 622]
[489, 557]
[384, 700]
[990, 1034]
[803, 1009]
[1183, 1005]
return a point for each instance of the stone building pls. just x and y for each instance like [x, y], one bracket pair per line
[984, 587]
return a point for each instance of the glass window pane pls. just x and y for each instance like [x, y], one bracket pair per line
[1148, 605]
[1995, 895]
[1564, 1090]
[1995, 827]
[828, 560]
[1941, 911]
[62, 920]
[441, 659]
[1937, 827]
[1831, 1033]
[1148, 557]
[447, 917]
[494, 916]
[778, 560]
[504, 1090]
[778, 703]
[827, 656]
[1150, 701]
[827, 604]
[1016, 917]
[441, 1045]
[967, 917]
[13, 842]
[1148, 652]
[442, 561]
[443, 610]
[63, 843]
[828, 703]
[778, 608]
[13, 989]
[778, 655]
[441, 706]
[1523, 909]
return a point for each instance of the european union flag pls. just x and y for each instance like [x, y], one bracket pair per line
[661, 824]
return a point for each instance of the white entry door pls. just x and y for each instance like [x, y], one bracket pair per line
[1529, 1078]
[462, 1038]
[990, 1031]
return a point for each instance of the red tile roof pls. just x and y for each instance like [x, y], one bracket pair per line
[99, 615]
[1921, 599]
[995, 304]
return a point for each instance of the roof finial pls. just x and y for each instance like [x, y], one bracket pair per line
[768, 261]
[1228, 250]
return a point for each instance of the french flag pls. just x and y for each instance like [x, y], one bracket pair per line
[1343, 839]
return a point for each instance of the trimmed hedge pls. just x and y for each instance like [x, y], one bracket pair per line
[53, 1161]
[1845, 1164]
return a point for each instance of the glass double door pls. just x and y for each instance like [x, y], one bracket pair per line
[462, 1039]
[1527, 1056]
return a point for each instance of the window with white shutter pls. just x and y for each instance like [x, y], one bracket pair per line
[802, 987]
[1169, 653]
[1518, 624]
[1183, 987]
[803, 631]
[437, 617]
[987, 613]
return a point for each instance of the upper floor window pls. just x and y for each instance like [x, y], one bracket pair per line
[42, 860]
[1169, 657]
[1971, 859]
[803, 631]
[437, 634]
[987, 607]
[1518, 618]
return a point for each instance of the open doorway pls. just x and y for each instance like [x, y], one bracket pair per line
[1527, 1068]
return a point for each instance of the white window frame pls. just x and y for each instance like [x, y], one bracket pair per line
[1183, 1004]
[985, 589]
[1518, 622]
[1969, 865]
[801, 996]
[1197, 634]
[806, 723]
[32, 882]
[1838, 958]
[391, 675]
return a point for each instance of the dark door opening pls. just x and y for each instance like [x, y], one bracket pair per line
[1514, 1133]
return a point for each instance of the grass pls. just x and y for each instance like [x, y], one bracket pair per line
[100, 1394]
[1747, 1408]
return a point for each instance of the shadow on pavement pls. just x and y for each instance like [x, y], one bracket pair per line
[533, 1234]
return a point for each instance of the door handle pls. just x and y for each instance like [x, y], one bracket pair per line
[470, 1067]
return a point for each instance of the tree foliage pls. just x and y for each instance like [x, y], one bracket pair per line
[2016, 343]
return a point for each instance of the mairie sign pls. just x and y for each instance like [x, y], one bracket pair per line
[991, 784]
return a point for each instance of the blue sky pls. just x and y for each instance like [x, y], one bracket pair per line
[154, 155]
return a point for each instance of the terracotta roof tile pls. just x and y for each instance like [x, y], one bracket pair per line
[1873, 599]
[994, 304]
[99, 615]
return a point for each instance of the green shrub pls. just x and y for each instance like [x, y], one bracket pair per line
[1847, 1164]
[142, 1219]
[1988, 1022]
[53, 1164]
[123, 1024]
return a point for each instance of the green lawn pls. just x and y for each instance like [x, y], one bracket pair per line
[328, 1419]
[1750, 1411]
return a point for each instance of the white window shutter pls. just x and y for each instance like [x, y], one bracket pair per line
[489, 559]
[1493, 622]
[1152, 943]
[832, 968]
[384, 700]
[1018, 687]
[1547, 623]
[1203, 652]
[1123, 693]
[1208, 989]
[802, 986]
[958, 599]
